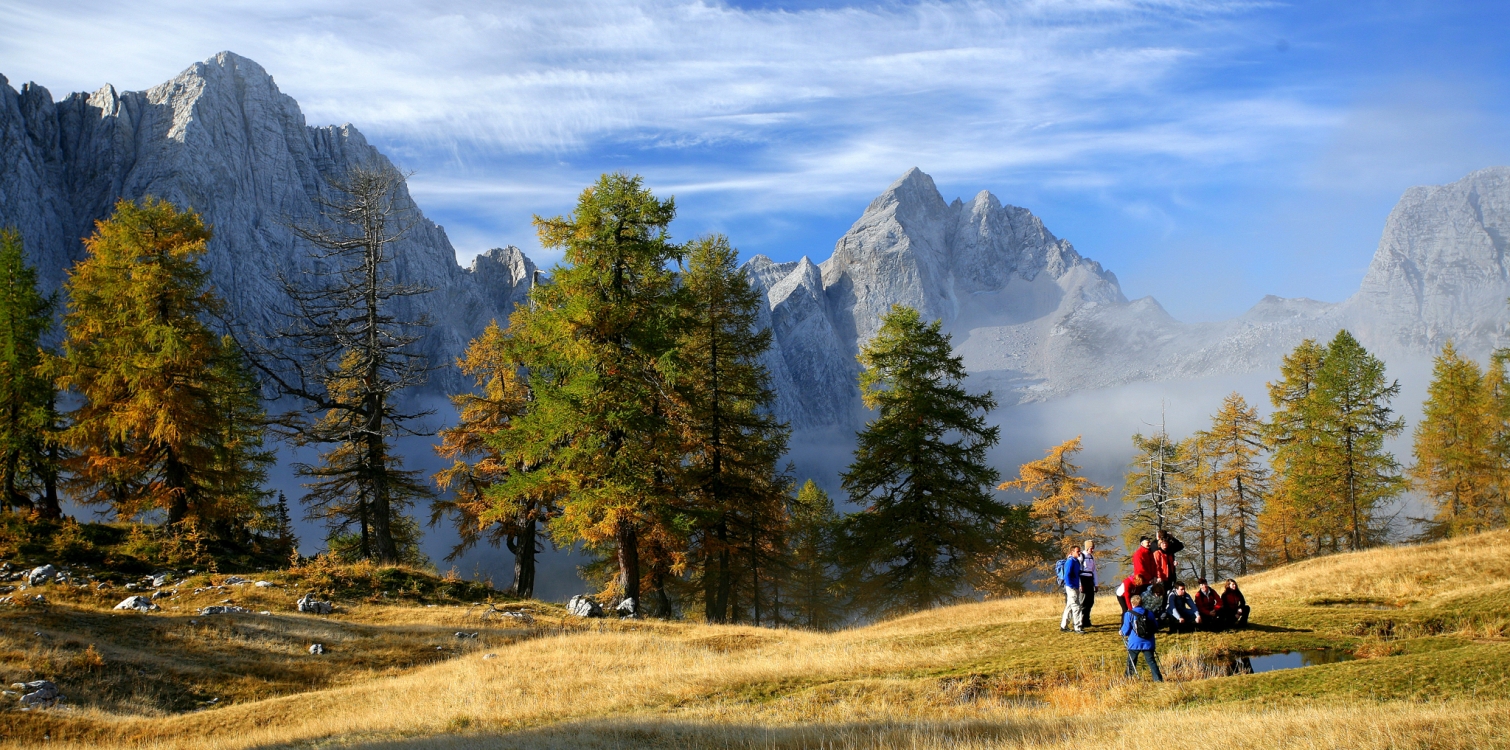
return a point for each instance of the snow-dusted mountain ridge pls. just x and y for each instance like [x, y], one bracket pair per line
[1032, 317]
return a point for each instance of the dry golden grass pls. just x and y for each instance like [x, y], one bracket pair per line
[994, 674]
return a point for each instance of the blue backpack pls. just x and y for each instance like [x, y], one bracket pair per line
[1059, 571]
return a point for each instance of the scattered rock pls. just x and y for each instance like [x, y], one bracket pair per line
[39, 599]
[235, 581]
[104, 586]
[521, 616]
[7, 589]
[138, 603]
[218, 609]
[162, 593]
[41, 575]
[316, 649]
[264, 584]
[37, 694]
[490, 656]
[581, 606]
[307, 603]
[264, 613]
[628, 608]
[461, 635]
[160, 580]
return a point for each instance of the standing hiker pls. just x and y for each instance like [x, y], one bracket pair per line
[1069, 576]
[1087, 582]
[1138, 629]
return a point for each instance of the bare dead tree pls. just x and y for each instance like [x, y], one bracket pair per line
[345, 355]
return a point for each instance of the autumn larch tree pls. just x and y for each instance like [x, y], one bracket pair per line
[733, 442]
[1454, 447]
[27, 419]
[598, 344]
[813, 597]
[346, 356]
[1238, 482]
[1292, 525]
[477, 464]
[1061, 510]
[150, 373]
[920, 473]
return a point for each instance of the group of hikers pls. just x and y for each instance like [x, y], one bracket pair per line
[1151, 598]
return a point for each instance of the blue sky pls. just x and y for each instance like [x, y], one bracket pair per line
[1208, 153]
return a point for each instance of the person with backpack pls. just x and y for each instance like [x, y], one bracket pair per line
[1180, 612]
[1235, 609]
[1138, 629]
[1068, 573]
[1208, 607]
[1154, 602]
[1131, 586]
[1087, 582]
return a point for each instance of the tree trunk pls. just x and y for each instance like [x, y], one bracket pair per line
[725, 586]
[629, 561]
[524, 559]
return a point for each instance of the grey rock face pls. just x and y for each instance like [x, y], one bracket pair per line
[41, 575]
[222, 139]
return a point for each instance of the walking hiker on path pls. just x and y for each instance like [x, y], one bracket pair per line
[1139, 631]
[1069, 577]
[1087, 582]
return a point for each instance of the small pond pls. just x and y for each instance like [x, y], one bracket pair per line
[1260, 663]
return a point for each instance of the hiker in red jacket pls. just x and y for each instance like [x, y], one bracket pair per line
[1168, 570]
[1208, 607]
[1131, 586]
[1142, 561]
[1234, 611]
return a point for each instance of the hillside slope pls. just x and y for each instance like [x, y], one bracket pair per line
[1427, 624]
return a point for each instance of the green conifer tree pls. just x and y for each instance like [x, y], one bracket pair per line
[813, 597]
[733, 442]
[598, 344]
[26, 393]
[1353, 468]
[920, 473]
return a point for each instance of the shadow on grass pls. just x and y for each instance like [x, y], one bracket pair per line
[1256, 628]
[465, 733]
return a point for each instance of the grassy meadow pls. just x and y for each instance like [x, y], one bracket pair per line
[1428, 626]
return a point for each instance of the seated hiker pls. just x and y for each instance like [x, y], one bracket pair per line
[1153, 602]
[1208, 606]
[1235, 609]
[1068, 573]
[1142, 561]
[1138, 629]
[1180, 612]
[1131, 586]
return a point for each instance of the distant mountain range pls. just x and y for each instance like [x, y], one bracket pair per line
[1032, 317]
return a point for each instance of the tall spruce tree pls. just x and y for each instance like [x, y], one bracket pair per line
[1497, 462]
[737, 494]
[478, 464]
[1354, 470]
[239, 453]
[1291, 525]
[920, 473]
[346, 357]
[1061, 511]
[598, 344]
[1238, 482]
[150, 427]
[26, 393]
[1454, 447]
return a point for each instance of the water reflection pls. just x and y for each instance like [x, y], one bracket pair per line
[1260, 663]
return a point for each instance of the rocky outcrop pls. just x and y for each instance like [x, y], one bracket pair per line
[222, 139]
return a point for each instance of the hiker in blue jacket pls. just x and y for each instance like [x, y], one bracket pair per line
[1138, 628]
[1068, 573]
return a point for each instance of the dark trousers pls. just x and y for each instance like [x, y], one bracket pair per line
[1088, 588]
[1188, 626]
[1237, 618]
[1149, 659]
